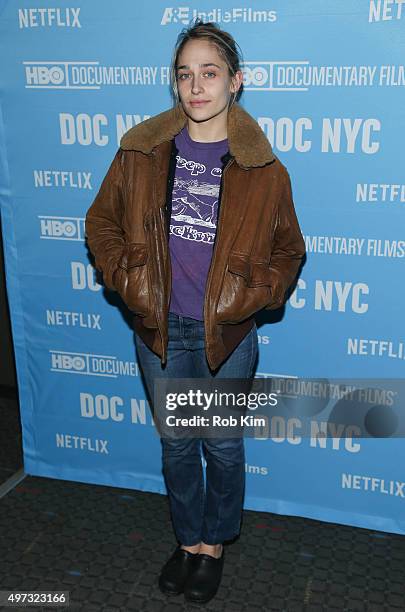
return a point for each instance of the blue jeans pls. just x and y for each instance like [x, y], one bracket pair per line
[211, 514]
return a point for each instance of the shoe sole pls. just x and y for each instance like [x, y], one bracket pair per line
[170, 593]
[200, 601]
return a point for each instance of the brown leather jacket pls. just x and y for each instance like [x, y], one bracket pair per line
[258, 246]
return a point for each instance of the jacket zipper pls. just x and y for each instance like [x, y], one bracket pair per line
[157, 314]
[167, 215]
[219, 225]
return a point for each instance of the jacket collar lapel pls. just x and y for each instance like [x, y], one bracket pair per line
[247, 142]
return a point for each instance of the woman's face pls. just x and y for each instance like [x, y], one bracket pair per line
[203, 81]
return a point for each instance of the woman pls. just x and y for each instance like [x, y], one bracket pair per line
[195, 226]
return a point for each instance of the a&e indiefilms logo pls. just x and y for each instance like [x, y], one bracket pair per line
[186, 14]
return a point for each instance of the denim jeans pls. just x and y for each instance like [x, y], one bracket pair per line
[210, 513]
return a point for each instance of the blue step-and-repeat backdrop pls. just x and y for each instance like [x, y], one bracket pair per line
[325, 80]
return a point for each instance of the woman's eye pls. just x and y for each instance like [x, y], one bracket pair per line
[185, 76]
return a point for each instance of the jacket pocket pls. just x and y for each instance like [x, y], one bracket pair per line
[133, 279]
[246, 288]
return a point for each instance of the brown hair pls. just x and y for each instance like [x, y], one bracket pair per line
[226, 45]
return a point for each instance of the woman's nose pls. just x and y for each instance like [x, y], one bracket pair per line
[196, 86]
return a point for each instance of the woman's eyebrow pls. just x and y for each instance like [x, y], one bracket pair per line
[187, 67]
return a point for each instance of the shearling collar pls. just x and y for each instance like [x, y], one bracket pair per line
[247, 142]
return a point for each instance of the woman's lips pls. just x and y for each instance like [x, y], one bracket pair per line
[198, 103]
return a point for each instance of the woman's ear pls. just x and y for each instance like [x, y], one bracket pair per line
[236, 82]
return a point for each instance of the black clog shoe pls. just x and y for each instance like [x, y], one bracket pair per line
[204, 579]
[176, 570]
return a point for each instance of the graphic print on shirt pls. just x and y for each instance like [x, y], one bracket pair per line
[193, 222]
[195, 201]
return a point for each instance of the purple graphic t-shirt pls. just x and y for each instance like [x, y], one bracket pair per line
[193, 221]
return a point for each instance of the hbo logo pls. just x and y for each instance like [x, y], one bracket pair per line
[44, 75]
[55, 228]
[66, 362]
[255, 76]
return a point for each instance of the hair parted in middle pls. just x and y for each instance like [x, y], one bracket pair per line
[226, 45]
